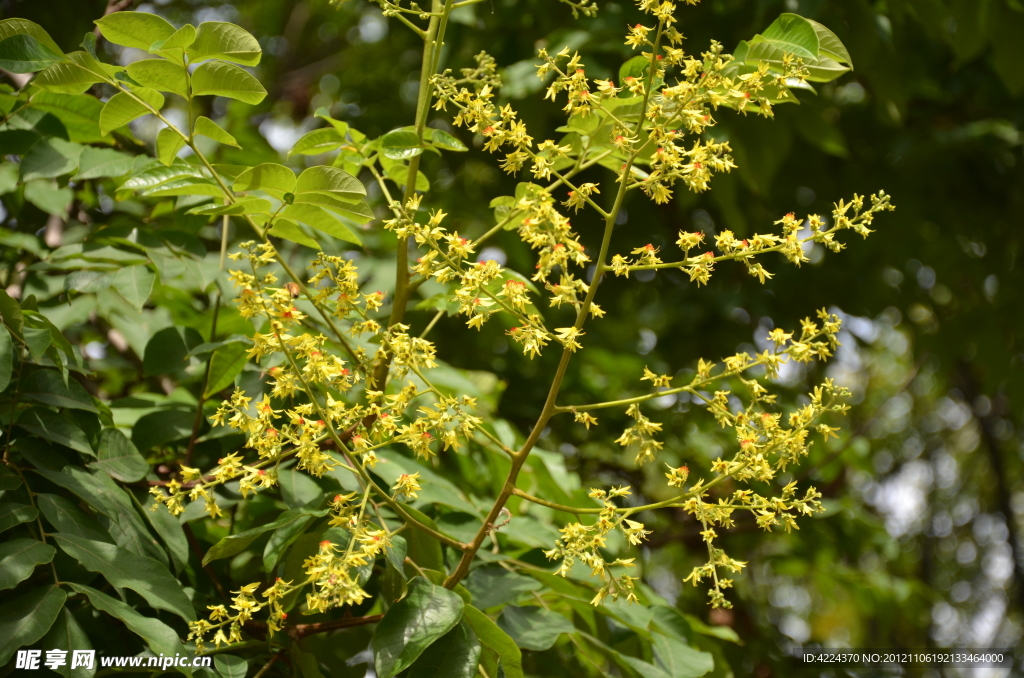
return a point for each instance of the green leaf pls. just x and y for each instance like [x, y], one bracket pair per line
[412, 624]
[66, 634]
[318, 141]
[25, 54]
[424, 550]
[679, 659]
[95, 163]
[86, 281]
[533, 628]
[348, 205]
[491, 635]
[160, 637]
[242, 206]
[399, 173]
[161, 75]
[226, 363]
[49, 197]
[124, 569]
[281, 538]
[10, 313]
[453, 655]
[27, 618]
[18, 559]
[321, 220]
[329, 180]
[270, 177]
[12, 27]
[830, 45]
[15, 514]
[135, 284]
[634, 68]
[123, 107]
[236, 543]
[171, 532]
[67, 517]
[53, 427]
[118, 457]
[493, 585]
[48, 387]
[166, 350]
[400, 144]
[442, 139]
[50, 158]
[159, 174]
[74, 76]
[161, 428]
[179, 40]
[230, 666]
[134, 29]
[289, 230]
[185, 186]
[6, 357]
[227, 80]
[791, 33]
[222, 40]
[211, 130]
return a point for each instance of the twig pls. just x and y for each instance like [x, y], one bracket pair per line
[300, 631]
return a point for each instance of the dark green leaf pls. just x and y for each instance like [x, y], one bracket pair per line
[15, 514]
[25, 54]
[10, 313]
[165, 353]
[453, 655]
[67, 517]
[228, 665]
[66, 634]
[49, 197]
[160, 428]
[170, 531]
[533, 628]
[55, 428]
[491, 635]
[124, 569]
[396, 552]
[19, 557]
[241, 206]
[281, 538]
[157, 175]
[412, 624]
[74, 76]
[494, 585]
[679, 659]
[229, 546]
[222, 40]
[27, 618]
[47, 386]
[227, 80]
[50, 158]
[118, 458]
[6, 357]
[80, 115]
[160, 637]
[134, 29]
